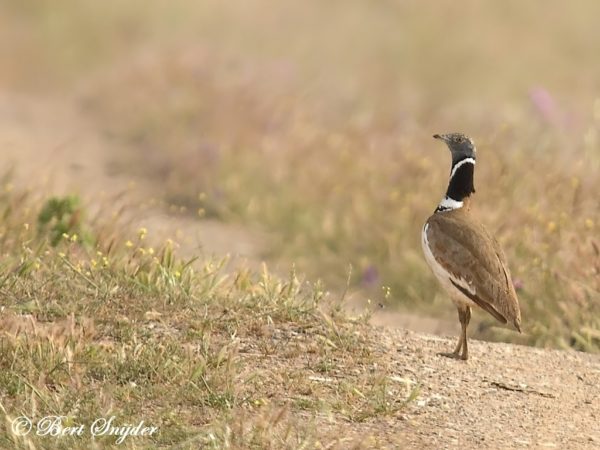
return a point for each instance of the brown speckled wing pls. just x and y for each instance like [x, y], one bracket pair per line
[467, 251]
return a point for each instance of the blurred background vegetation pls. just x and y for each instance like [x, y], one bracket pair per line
[312, 121]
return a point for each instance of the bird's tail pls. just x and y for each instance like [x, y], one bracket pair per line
[517, 324]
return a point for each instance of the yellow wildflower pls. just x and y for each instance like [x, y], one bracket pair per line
[142, 232]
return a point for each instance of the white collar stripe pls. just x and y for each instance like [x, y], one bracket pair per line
[459, 164]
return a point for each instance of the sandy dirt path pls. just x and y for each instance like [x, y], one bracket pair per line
[504, 397]
[48, 143]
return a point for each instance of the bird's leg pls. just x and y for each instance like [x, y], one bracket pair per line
[456, 351]
[464, 315]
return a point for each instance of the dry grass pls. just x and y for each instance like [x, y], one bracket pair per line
[314, 121]
[330, 149]
[358, 195]
[114, 326]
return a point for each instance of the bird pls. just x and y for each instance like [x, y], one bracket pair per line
[465, 258]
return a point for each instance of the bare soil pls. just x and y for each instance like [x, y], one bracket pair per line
[505, 396]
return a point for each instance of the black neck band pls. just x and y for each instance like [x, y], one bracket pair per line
[461, 182]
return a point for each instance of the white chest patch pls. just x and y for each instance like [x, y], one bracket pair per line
[448, 204]
[444, 277]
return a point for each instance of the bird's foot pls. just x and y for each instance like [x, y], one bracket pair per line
[455, 355]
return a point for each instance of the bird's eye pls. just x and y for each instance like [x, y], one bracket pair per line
[459, 139]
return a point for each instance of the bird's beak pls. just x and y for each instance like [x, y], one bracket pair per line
[441, 137]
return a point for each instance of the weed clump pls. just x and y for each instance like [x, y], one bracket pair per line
[62, 217]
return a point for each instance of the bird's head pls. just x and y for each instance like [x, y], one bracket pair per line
[460, 146]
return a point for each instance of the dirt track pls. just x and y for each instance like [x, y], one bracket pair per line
[50, 145]
[505, 396]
